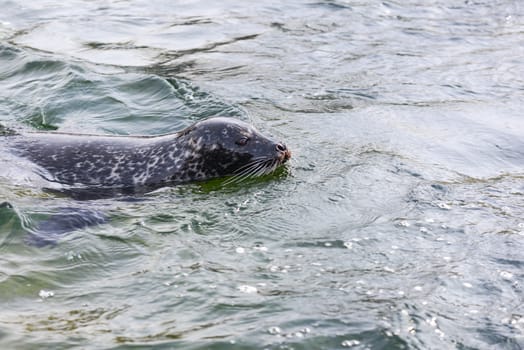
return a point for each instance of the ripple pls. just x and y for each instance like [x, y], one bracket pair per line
[398, 223]
[79, 96]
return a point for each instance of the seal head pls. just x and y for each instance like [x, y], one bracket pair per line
[223, 146]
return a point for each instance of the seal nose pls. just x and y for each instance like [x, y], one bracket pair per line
[284, 153]
[281, 147]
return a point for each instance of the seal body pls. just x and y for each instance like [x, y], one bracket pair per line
[90, 164]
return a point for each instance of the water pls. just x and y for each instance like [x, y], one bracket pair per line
[399, 223]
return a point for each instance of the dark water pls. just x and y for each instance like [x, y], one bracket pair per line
[398, 225]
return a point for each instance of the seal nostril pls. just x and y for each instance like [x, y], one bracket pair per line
[281, 147]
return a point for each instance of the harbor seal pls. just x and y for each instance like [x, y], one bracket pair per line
[93, 166]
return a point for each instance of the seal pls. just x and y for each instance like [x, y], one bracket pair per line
[93, 166]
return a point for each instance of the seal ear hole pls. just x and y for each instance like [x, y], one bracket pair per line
[242, 141]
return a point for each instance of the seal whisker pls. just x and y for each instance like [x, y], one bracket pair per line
[262, 166]
[254, 161]
[246, 169]
[272, 166]
[248, 172]
[250, 167]
[252, 170]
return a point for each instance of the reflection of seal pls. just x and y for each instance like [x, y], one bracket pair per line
[211, 148]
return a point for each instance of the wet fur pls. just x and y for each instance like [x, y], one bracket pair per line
[111, 165]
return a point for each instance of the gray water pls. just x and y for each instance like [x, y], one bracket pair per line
[399, 223]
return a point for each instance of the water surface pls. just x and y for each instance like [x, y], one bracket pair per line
[399, 224]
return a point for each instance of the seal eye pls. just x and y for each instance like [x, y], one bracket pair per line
[242, 141]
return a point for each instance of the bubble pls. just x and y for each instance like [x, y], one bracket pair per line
[517, 319]
[247, 289]
[443, 206]
[70, 256]
[348, 245]
[432, 322]
[240, 250]
[274, 330]
[417, 288]
[506, 275]
[404, 223]
[44, 294]
[349, 343]
[467, 285]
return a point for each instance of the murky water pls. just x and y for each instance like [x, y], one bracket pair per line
[398, 225]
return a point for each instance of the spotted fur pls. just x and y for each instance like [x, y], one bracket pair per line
[211, 148]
